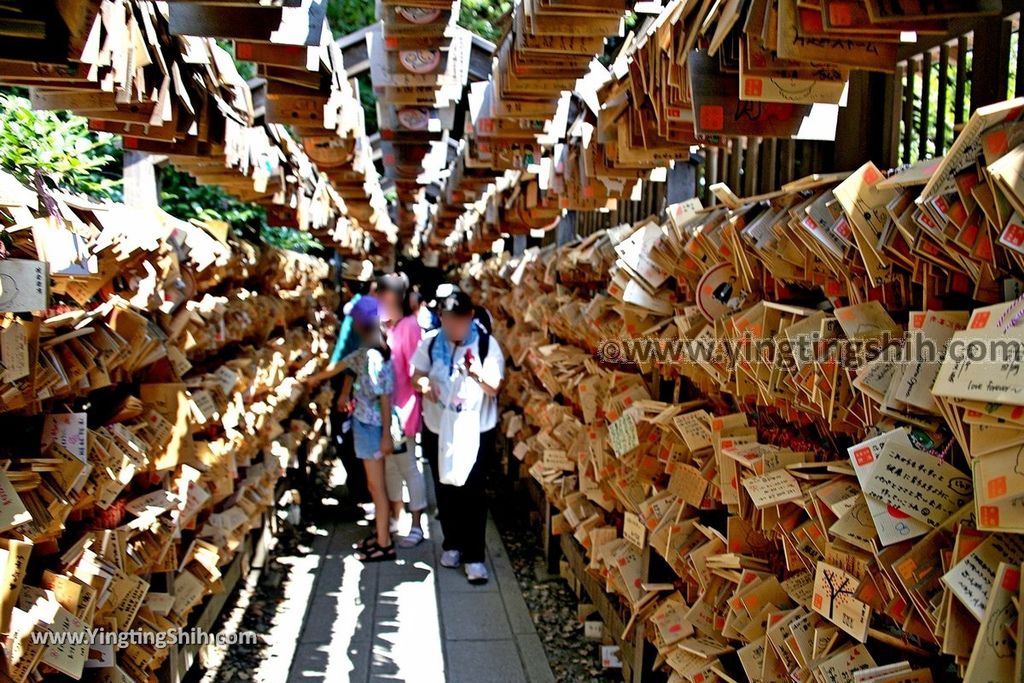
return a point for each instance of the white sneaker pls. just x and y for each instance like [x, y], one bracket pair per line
[451, 559]
[476, 573]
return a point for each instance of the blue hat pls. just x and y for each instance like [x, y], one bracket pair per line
[365, 312]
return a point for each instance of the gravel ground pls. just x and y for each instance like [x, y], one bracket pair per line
[551, 602]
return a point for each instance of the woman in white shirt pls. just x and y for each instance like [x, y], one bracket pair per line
[459, 369]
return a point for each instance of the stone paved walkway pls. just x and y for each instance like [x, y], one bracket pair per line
[409, 621]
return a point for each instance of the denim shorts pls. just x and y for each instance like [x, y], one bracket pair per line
[366, 440]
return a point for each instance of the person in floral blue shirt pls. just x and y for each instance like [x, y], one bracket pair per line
[371, 417]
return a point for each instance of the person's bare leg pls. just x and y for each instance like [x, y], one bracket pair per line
[381, 505]
[396, 511]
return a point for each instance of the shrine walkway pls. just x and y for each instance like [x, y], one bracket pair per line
[413, 620]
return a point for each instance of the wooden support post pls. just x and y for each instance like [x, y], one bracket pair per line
[142, 189]
[960, 92]
[565, 231]
[943, 100]
[872, 98]
[1018, 86]
[735, 162]
[712, 174]
[788, 161]
[909, 73]
[926, 99]
[770, 164]
[990, 63]
[513, 467]
[141, 179]
[751, 161]
[890, 117]
[552, 550]
[682, 181]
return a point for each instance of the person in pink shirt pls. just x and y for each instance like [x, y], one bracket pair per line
[403, 468]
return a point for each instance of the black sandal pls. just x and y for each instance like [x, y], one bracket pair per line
[362, 545]
[375, 552]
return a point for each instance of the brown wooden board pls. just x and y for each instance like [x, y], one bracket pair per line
[246, 22]
[291, 56]
[296, 109]
[719, 110]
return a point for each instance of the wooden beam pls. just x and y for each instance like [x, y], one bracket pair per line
[283, 25]
[958, 27]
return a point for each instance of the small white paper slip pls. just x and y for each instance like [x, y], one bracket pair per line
[774, 488]
[70, 430]
[892, 524]
[227, 378]
[610, 657]
[12, 509]
[24, 286]
[14, 353]
[633, 529]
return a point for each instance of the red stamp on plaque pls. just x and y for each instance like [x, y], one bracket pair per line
[840, 14]
[1014, 234]
[863, 456]
[1011, 580]
[997, 487]
[712, 117]
[989, 515]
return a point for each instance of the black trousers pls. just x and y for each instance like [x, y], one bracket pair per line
[462, 510]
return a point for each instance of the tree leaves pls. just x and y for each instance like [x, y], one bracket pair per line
[183, 198]
[59, 145]
[485, 17]
[348, 16]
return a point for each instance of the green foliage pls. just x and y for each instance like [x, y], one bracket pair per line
[289, 238]
[61, 146]
[347, 16]
[940, 133]
[484, 17]
[183, 198]
[613, 44]
[369, 101]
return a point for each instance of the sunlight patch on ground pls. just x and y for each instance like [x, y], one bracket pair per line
[408, 645]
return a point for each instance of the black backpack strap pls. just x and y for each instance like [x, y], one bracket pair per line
[483, 317]
[483, 341]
